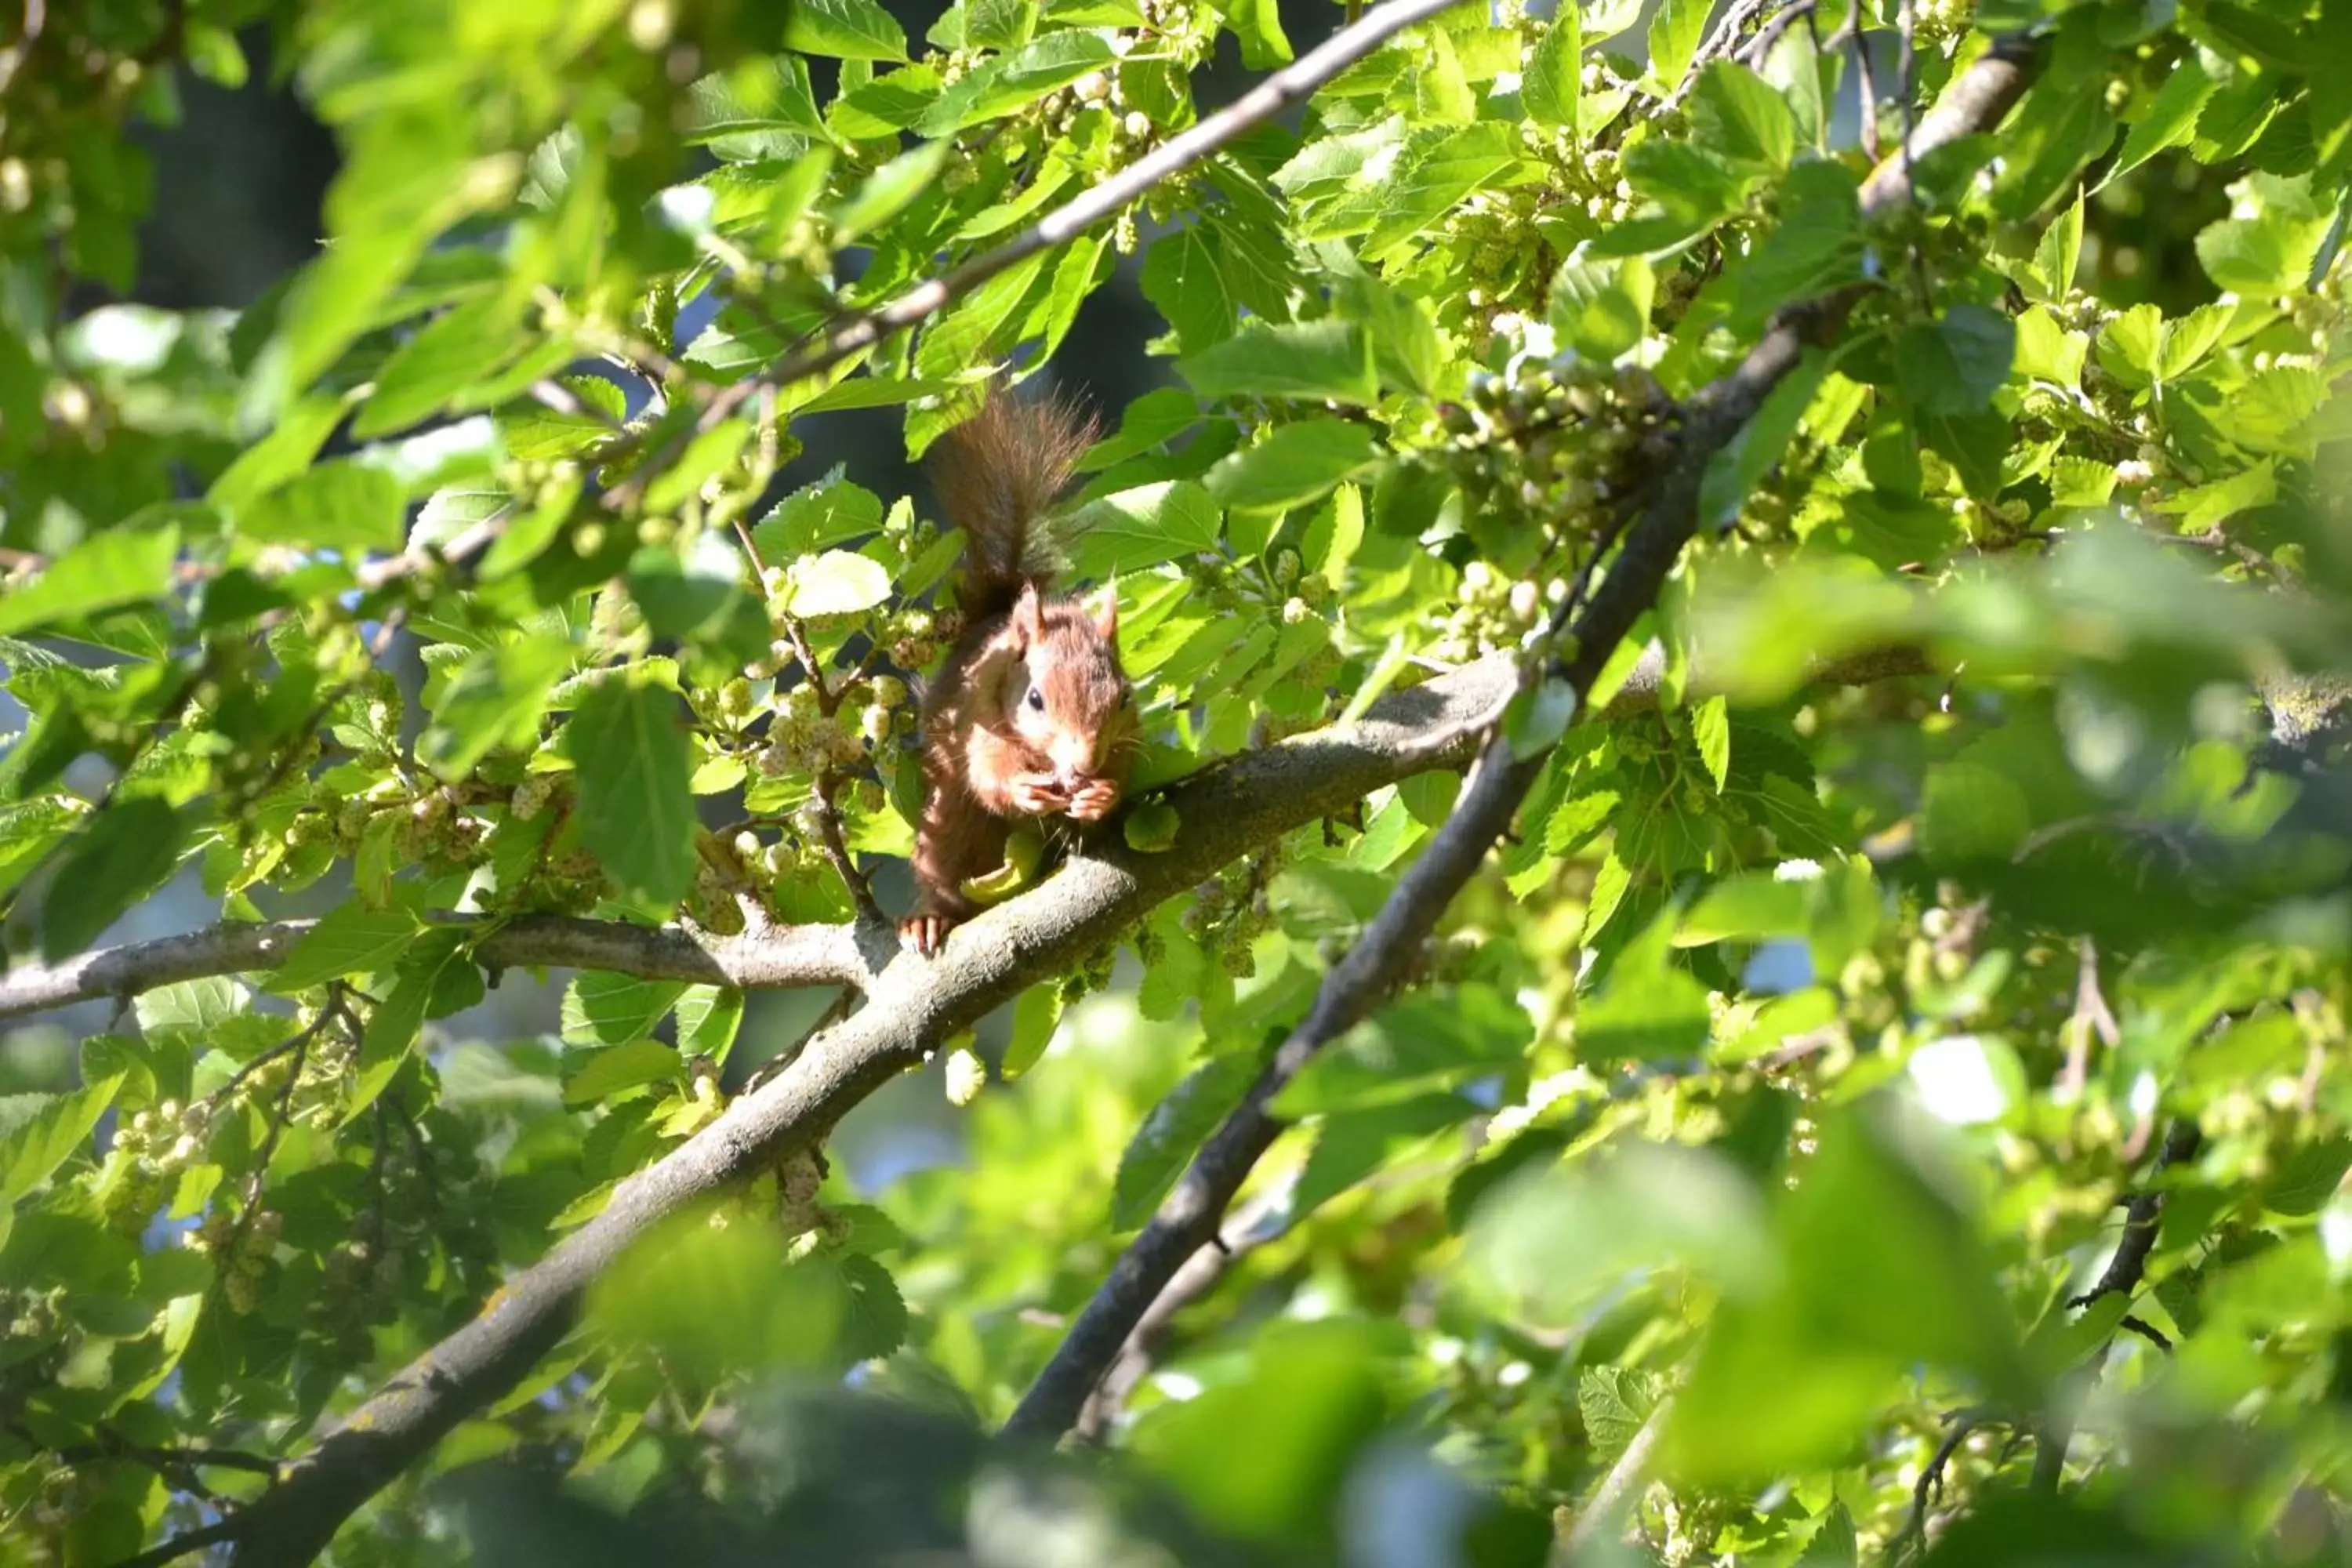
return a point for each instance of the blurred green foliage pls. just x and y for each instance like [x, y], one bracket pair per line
[1765, 1114]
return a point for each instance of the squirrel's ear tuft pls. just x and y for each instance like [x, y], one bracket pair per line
[1105, 609]
[1029, 616]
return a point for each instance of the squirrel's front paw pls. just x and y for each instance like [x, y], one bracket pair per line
[1093, 802]
[927, 933]
[1037, 795]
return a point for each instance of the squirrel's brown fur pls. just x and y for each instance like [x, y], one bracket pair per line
[1031, 715]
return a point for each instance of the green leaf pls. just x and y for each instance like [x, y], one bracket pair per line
[708, 1019]
[1539, 715]
[601, 1074]
[117, 566]
[30, 1154]
[709, 1302]
[1735, 470]
[1151, 828]
[1613, 1402]
[837, 583]
[998, 24]
[844, 30]
[816, 516]
[708, 454]
[1817, 245]
[343, 506]
[2170, 121]
[1710, 724]
[1131, 530]
[1601, 309]
[1353, 1145]
[1834, 1543]
[2308, 1176]
[1882, 1274]
[1738, 115]
[1409, 1049]
[1010, 81]
[1181, 280]
[1553, 75]
[1433, 183]
[497, 697]
[352, 939]
[614, 1009]
[1034, 1018]
[1326, 360]
[874, 1317]
[421, 986]
[889, 191]
[1648, 1009]
[2269, 253]
[1954, 365]
[636, 810]
[1257, 26]
[434, 369]
[124, 853]
[1674, 34]
[1295, 463]
[2061, 247]
[973, 332]
[1174, 1130]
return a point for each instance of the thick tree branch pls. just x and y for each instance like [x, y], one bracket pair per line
[1712, 419]
[911, 1004]
[756, 959]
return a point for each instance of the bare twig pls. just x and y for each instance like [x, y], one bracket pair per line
[180, 1545]
[1929, 1487]
[1716, 43]
[1754, 52]
[2125, 1270]
[2091, 1017]
[177, 1465]
[2122, 1276]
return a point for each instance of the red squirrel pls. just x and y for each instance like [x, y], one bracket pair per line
[1031, 716]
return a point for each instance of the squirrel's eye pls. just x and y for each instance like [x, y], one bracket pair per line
[1037, 699]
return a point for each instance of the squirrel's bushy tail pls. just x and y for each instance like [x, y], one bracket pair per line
[997, 474]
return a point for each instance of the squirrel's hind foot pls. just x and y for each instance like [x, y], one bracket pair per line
[927, 932]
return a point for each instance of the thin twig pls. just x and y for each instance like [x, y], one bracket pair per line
[1753, 52]
[181, 1545]
[1716, 43]
[2090, 1017]
[2121, 1276]
[1929, 1487]
[836, 844]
